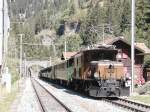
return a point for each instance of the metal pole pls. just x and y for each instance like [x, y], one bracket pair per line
[54, 49]
[21, 54]
[3, 32]
[25, 67]
[65, 48]
[132, 43]
[50, 59]
[103, 33]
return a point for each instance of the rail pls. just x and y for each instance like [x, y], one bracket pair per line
[130, 105]
[41, 102]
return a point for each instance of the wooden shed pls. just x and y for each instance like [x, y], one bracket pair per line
[124, 55]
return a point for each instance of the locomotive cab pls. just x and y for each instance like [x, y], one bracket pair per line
[109, 77]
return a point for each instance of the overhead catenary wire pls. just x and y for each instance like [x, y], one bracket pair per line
[40, 44]
[97, 28]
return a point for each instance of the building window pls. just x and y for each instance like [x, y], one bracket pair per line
[125, 53]
[138, 60]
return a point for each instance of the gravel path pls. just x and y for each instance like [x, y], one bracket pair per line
[27, 100]
[80, 103]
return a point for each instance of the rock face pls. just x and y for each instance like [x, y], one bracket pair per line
[68, 28]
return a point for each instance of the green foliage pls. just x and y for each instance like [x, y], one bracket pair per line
[89, 37]
[8, 98]
[41, 21]
[141, 98]
[68, 12]
[119, 16]
[143, 20]
[115, 14]
[13, 65]
[73, 43]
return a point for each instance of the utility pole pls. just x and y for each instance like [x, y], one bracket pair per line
[21, 35]
[132, 43]
[54, 49]
[65, 48]
[3, 33]
[103, 34]
[50, 60]
[25, 66]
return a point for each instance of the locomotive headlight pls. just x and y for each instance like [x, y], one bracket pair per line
[96, 75]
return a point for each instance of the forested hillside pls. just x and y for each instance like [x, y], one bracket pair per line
[143, 20]
[80, 22]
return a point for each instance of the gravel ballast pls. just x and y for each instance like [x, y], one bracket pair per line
[77, 102]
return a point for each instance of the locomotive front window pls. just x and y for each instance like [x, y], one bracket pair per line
[102, 55]
[109, 56]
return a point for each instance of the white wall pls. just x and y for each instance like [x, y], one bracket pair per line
[6, 27]
[1, 31]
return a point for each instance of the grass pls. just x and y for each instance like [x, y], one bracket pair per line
[13, 65]
[6, 99]
[141, 98]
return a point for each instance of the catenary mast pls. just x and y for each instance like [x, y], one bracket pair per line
[132, 43]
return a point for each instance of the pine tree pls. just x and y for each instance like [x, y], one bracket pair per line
[143, 20]
[89, 37]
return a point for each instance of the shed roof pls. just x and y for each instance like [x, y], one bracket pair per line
[144, 47]
[139, 46]
[68, 55]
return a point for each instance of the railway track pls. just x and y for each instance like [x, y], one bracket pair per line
[130, 105]
[48, 102]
